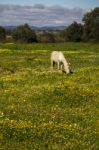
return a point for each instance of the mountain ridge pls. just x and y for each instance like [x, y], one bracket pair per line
[38, 28]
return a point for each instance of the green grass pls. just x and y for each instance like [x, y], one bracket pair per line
[44, 110]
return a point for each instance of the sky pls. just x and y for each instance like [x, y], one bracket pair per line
[65, 3]
[44, 12]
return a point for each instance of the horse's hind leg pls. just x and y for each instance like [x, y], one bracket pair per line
[52, 64]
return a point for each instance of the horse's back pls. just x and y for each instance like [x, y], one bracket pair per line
[57, 55]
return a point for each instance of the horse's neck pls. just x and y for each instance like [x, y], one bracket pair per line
[64, 62]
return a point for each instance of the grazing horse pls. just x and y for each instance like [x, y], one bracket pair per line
[58, 58]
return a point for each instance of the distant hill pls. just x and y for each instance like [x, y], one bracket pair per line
[9, 27]
[53, 28]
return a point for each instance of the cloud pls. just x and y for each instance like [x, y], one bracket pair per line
[39, 15]
[39, 6]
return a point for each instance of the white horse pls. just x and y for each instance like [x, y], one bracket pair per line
[58, 58]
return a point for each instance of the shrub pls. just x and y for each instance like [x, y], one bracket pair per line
[24, 33]
[2, 34]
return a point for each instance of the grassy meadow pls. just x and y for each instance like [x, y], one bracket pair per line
[44, 110]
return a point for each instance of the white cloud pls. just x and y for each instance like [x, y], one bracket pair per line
[39, 15]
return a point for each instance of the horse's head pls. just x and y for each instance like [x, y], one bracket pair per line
[67, 68]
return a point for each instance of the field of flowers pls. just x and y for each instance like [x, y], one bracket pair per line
[44, 110]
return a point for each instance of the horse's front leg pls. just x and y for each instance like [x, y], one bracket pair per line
[61, 67]
[58, 65]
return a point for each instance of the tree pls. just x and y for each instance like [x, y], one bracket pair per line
[24, 33]
[47, 37]
[91, 25]
[74, 32]
[2, 34]
[60, 36]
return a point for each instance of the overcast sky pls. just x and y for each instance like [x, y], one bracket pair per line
[65, 3]
[44, 12]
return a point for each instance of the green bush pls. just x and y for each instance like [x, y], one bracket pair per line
[2, 34]
[24, 34]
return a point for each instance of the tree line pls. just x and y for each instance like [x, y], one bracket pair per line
[76, 32]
